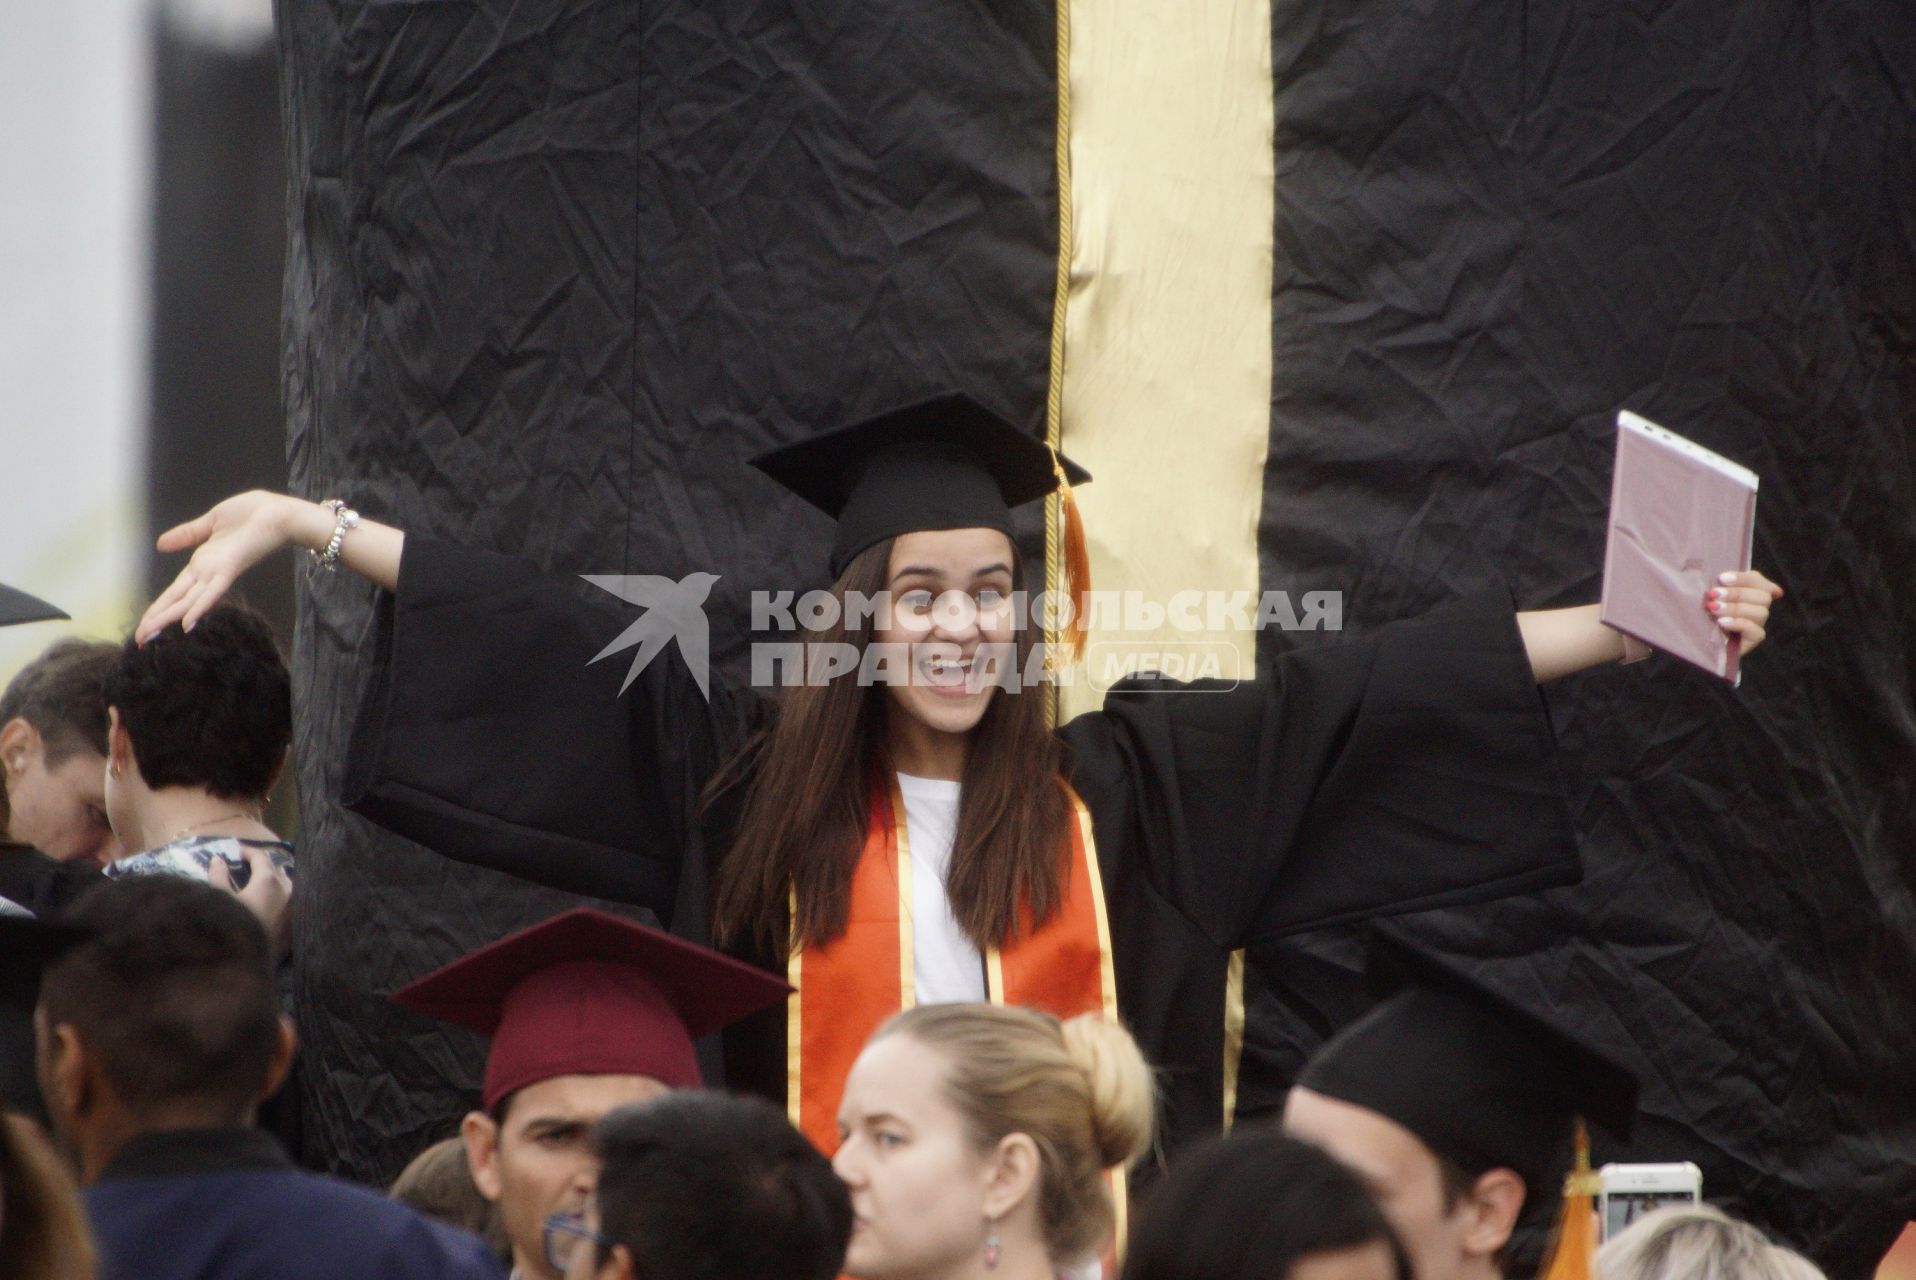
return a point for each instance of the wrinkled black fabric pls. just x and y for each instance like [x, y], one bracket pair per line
[554, 273]
[1496, 225]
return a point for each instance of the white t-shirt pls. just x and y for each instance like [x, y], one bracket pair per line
[945, 964]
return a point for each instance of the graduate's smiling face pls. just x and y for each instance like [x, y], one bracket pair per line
[950, 593]
[918, 1183]
[536, 1160]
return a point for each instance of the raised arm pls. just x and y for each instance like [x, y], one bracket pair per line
[245, 529]
[1560, 641]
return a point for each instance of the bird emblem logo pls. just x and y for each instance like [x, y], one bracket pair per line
[673, 611]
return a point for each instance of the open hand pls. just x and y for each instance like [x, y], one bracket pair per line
[229, 540]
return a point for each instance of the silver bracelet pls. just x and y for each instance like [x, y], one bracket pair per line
[344, 518]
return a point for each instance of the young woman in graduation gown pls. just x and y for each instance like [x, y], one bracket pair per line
[933, 840]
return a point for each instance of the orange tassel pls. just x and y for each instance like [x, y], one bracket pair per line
[1574, 1257]
[1069, 643]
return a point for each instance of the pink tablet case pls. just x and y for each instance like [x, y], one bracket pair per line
[1680, 515]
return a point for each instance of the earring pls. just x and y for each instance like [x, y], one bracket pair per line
[993, 1251]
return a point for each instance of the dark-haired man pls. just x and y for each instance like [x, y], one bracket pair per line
[702, 1186]
[159, 1035]
[1459, 1108]
[53, 829]
[53, 825]
[587, 1013]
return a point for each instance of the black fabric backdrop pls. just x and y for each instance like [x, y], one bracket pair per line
[1496, 225]
[553, 276]
[554, 273]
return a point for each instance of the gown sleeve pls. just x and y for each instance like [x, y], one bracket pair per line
[1412, 769]
[487, 733]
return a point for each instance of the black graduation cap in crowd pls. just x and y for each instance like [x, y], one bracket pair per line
[1482, 1080]
[943, 463]
[17, 607]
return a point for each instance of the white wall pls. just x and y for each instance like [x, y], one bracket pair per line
[74, 155]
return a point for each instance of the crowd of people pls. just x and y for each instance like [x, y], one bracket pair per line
[961, 973]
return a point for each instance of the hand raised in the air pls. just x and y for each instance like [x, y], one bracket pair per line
[245, 529]
[226, 542]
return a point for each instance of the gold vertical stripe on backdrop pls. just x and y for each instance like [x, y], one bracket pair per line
[1060, 305]
[1161, 349]
[1233, 1034]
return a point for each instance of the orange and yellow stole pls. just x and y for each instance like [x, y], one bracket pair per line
[845, 988]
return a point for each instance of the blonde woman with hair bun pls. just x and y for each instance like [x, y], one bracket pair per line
[975, 1141]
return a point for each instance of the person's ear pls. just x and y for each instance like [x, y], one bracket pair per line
[65, 1069]
[1493, 1204]
[480, 1133]
[119, 747]
[1011, 1172]
[19, 740]
[283, 1050]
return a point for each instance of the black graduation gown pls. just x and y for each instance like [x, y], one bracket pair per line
[1409, 770]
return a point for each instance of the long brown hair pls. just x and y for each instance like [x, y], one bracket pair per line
[810, 794]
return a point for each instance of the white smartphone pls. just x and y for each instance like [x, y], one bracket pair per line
[1632, 1190]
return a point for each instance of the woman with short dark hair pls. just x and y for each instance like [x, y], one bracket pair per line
[199, 725]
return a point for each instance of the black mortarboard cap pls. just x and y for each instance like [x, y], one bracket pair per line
[17, 606]
[943, 463]
[1482, 1080]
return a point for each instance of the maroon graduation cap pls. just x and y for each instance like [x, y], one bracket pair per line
[587, 993]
